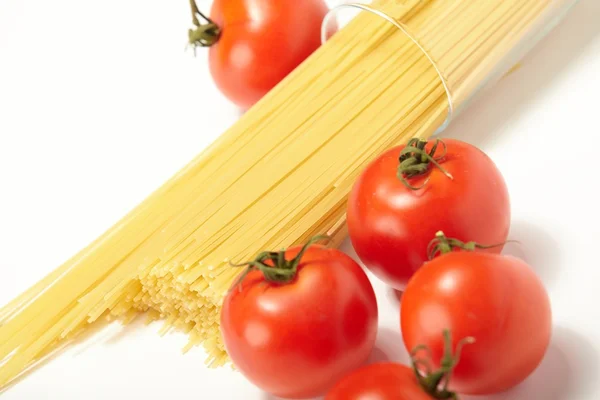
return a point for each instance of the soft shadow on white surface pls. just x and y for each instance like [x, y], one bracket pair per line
[510, 97]
[125, 330]
[346, 247]
[113, 333]
[389, 347]
[536, 247]
[394, 296]
[568, 372]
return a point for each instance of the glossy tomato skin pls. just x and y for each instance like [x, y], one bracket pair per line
[380, 381]
[261, 42]
[296, 340]
[498, 300]
[390, 226]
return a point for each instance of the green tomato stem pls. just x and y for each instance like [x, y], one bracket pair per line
[415, 160]
[204, 34]
[435, 383]
[281, 271]
[442, 245]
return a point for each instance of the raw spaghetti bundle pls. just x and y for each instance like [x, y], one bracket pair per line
[280, 175]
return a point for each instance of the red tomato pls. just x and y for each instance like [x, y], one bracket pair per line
[390, 225]
[497, 300]
[296, 339]
[381, 381]
[261, 42]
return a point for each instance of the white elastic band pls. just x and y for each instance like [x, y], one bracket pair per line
[391, 20]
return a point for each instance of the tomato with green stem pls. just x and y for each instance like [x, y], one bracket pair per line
[298, 320]
[410, 192]
[254, 44]
[393, 381]
[498, 300]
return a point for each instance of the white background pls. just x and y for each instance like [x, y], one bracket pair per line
[99, 104]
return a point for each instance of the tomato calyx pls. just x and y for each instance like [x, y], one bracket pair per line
[442, 245]
[415, 160]
[435, 383]
[280, 271]
[204, 34]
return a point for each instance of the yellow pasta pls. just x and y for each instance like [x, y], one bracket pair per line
[280, 175]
